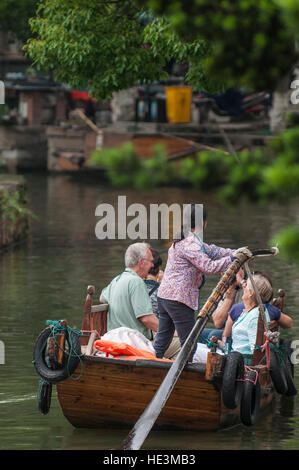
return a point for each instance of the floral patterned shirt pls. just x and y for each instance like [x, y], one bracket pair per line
[188, 261]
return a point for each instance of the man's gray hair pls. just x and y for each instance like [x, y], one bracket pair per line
[135, 252]
[263, 286]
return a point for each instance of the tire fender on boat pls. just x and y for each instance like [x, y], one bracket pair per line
[250, 399]
[286, 345]
[278, 373]
[47, 373]
[232, 382]
[291, 387]
[44, 396]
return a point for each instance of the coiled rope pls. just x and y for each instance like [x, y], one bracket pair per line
[57, 327]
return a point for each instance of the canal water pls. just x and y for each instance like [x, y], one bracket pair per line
[46, 277]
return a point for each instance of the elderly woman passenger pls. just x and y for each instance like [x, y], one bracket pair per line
[245, 327]
[242, 326]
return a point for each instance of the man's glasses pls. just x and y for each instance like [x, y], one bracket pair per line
[149, 260]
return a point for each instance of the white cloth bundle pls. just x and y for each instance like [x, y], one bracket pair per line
[201, 353]
[129, 336]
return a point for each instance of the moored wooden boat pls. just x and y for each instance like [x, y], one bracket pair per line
[104, 391]
[98, 391]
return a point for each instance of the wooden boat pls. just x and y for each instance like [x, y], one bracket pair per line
[116, 392]
[111, 391]
[106, 391]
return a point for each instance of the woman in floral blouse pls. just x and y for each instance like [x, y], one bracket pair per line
[189, 259]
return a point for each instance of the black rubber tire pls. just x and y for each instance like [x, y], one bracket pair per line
[44, 401]
[232, 389]
[72, 360]
[277, 372]
[286, 345]
[291, 387]
[250, 400]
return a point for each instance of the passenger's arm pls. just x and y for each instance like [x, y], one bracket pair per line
[285, 321]
[228, 328]
[220, 315]
[226, 333]
[150, 321]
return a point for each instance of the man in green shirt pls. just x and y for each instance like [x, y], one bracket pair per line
[127, 296]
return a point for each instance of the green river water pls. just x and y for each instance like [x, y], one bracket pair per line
[46, 277]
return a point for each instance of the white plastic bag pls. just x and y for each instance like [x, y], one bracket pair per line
[201, 353]
[129, 336]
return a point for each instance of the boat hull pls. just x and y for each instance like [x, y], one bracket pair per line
[115, 392]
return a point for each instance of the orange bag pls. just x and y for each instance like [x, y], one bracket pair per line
[123, 349]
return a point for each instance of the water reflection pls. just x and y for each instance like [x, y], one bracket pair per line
[46, 278]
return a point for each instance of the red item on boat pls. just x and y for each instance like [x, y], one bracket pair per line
[124, 349]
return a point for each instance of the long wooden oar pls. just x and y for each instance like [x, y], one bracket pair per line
[139, 432]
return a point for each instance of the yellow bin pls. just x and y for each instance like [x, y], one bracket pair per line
[178, 103]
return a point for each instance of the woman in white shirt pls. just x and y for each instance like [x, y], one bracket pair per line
[245, 328]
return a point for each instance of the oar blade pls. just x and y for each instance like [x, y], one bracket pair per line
[143, 426]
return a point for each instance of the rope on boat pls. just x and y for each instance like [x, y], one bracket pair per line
[246, 378]
[279, 349]
[57, 327]
[211, 344]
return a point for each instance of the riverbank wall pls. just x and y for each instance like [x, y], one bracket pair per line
[23, 147]
[14, 220]
[68, 148]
